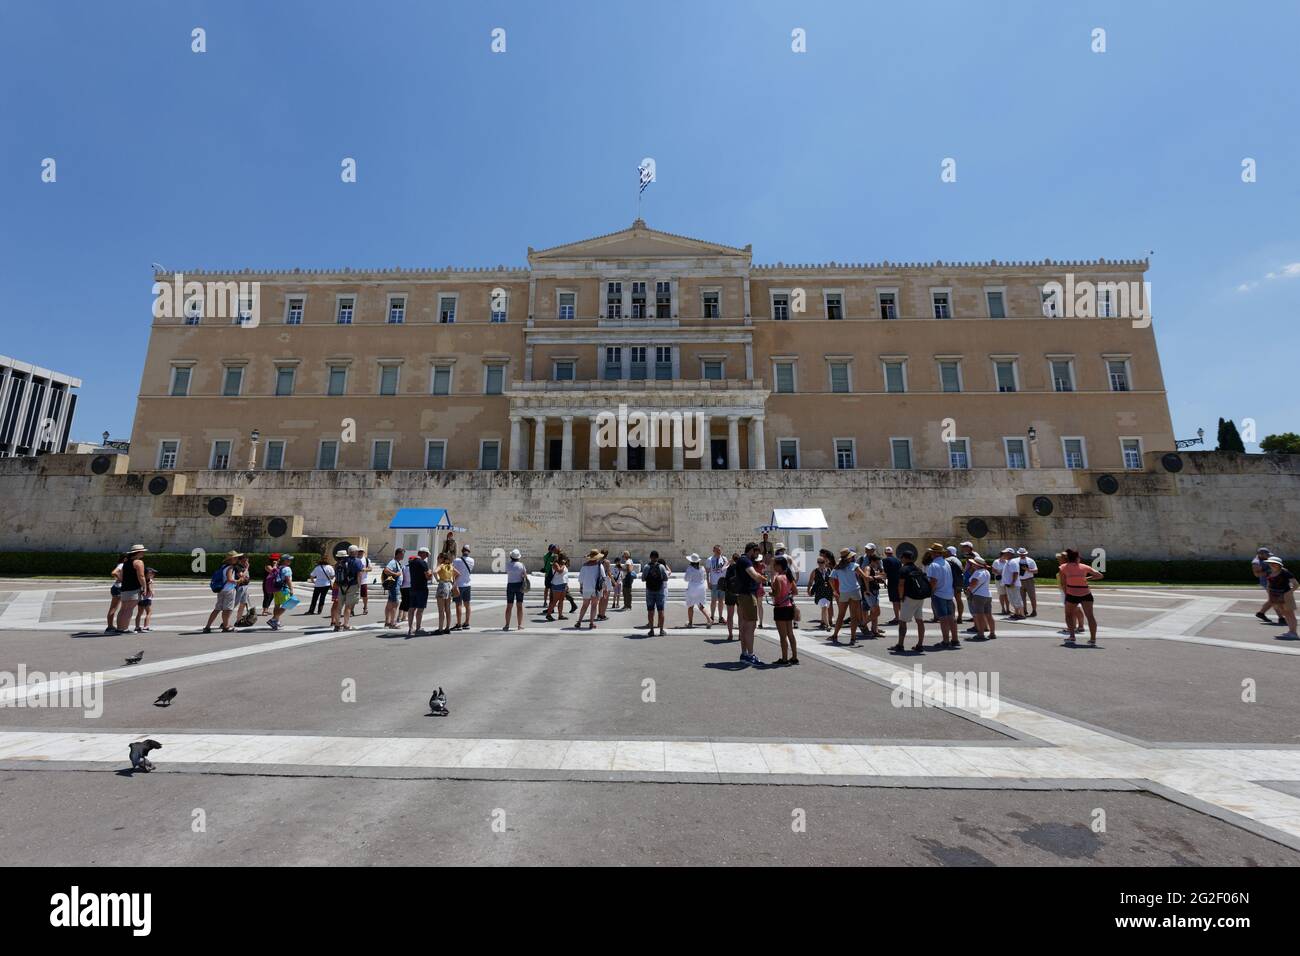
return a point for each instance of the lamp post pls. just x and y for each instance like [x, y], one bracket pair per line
[1033, 447]
[252, 450]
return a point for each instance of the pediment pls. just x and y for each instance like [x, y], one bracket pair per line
[638, 241]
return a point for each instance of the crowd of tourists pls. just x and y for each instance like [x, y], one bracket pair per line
[846, 593]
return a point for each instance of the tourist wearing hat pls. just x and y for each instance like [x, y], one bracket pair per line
[942, 593]
[322, 576]
[1028, 573]
[716, 567]
[133, 580]
[607, 586]
[978, 579]
[629, 575]
[227, 596]
[421, 575]
[697, 590]
[390, 576]
[655, 574]
[958, 580]
[348, 571]
[1281, 594]
[1011, 583]
[591, 581]
[1259, 567]
[464, 568]
[996, 566]
[516, 584]
[846, 584]
[270, 571]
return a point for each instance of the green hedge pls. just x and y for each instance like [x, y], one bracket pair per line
[100, 564]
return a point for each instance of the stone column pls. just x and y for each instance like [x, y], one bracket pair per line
[706, 437]
[566, 444]
[539, 442]
[593, 449]
[679, 435]
[733, 442]
[516, 451]
[621, 461]
[757, 443]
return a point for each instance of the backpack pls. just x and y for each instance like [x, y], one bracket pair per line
[218, 582]
[654, 577]
[346, 574]
[916, 584]
[729, 580]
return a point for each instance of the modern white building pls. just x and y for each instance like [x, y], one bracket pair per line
[36, 407]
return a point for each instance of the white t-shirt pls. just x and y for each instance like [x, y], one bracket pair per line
[587, 576]
[717, 568]
[1030, 568]
[322, 575]
[463, 566]
[979, 582]
[1010, 569]
[515, 572]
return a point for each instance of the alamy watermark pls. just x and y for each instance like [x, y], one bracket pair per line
[71, 689]
[240, 302]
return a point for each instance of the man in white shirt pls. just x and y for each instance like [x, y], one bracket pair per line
[999, 563]
[392, 581]
[717, 567]
[1028, 590]
[1011, 583]
[464, 567]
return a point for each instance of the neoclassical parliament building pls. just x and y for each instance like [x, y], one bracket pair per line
[931, 365]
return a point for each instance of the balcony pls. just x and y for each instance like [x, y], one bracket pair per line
[640, 385]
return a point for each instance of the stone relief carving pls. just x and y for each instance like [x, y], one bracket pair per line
[627, 519]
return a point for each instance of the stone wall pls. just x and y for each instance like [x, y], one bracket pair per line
[1217, 506]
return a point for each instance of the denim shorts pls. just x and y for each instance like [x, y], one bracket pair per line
[654, 600]
[463, 596]
[942, 607]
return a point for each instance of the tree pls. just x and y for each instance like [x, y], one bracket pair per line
[1287, 443]
[1229, 439]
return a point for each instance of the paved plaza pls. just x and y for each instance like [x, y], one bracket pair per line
[1174, 742]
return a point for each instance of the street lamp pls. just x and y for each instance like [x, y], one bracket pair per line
[1033, 446]
[252, 452]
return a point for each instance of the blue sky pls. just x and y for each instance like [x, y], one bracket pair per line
[231, 158]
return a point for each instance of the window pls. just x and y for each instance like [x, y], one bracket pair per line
[567, 304]
[220, 460]
[169, 452]
[1117, 370]
[712, 304]
[663, 362]
[638, 300]
[564, 370]
[327, 459]
[1016, 454]
[446, 309]
[638, 367]
[1062, 375]
[435, 454]
[834, 305]
[996, 299]
[613, 363]
[950, 376]
[663, 300]
[1005, 370]
[888, 304]
[274, 455]
[338, 380]
[193, 313]
[396, 309]
[1051, 304]
[1075, 454]
[1131, 449]
[489, 455]
[1105, 304]
[780, 306]
[245, 313]
[381, 454]
[959, 453]
[895, 376]
[711, 369]
[181, 380]
[788, 452]
[784, 374]
[293, 311]
[494, 378]
[900, 453]
[941, 308]
[233, 381]
[839, 376]
[346, 306]
[441, 380]
[388, 375]
[845, 454]
[284, 380]
[614, 300]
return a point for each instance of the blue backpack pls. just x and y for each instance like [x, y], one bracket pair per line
[218, 581]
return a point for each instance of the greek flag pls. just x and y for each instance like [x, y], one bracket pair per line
[647, 171]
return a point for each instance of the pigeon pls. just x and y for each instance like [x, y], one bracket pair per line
[139, 752]
[135, 658]
[165, 698]
[438, 703]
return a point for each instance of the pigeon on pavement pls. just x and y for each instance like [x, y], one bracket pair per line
[135, 658]
[438, 703]
[165, 698]
[139, 753]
